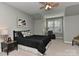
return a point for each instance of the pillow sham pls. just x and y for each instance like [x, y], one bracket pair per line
[19, 34]
[26, 34]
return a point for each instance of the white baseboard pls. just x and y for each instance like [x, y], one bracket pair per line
[67, 42]
[59, 37]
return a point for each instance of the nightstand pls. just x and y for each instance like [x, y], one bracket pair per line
[9, 46]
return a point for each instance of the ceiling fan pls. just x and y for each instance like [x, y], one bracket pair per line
[49, 5]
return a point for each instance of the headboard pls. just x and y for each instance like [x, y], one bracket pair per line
[20, 33]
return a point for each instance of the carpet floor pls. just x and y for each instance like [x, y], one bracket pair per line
[56, 48]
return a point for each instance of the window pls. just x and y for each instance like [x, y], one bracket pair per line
[55, 25]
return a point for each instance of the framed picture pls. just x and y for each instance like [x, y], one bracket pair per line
[21, 22]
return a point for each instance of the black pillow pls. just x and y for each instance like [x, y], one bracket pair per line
[19, 34]
[50, 32]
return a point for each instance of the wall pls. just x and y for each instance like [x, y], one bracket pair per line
[40, 23]
[9, 16]
[71, 28]
[72, 10]
[71, 22]
[38, 26]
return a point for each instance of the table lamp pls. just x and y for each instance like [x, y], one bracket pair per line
[4, 33]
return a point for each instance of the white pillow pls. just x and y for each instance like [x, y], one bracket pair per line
[26, 34]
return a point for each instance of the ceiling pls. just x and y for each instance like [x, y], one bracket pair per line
[34, 7]
[70, 10]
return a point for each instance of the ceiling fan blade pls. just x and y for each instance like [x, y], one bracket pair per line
[49, 5]
[55, 5]
[42, 7]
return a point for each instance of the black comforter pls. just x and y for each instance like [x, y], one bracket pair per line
[35, 41]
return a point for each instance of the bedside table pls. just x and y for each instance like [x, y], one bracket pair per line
[9, 46]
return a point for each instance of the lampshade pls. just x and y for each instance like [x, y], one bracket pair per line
[3, 31]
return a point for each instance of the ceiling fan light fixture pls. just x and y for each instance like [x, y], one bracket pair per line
[47, 6]
[50, 7]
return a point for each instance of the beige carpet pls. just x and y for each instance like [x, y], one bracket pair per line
[21, 53]
[59, 48]
[56, 48]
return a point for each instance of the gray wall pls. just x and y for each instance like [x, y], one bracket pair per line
[71, 22]
[71, 27]
[9, 16]
[40, 22]
[72, 10]
[38, 27]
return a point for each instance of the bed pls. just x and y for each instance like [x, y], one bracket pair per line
[35, 41]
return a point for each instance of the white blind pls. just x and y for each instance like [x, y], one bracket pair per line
[55, 25]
